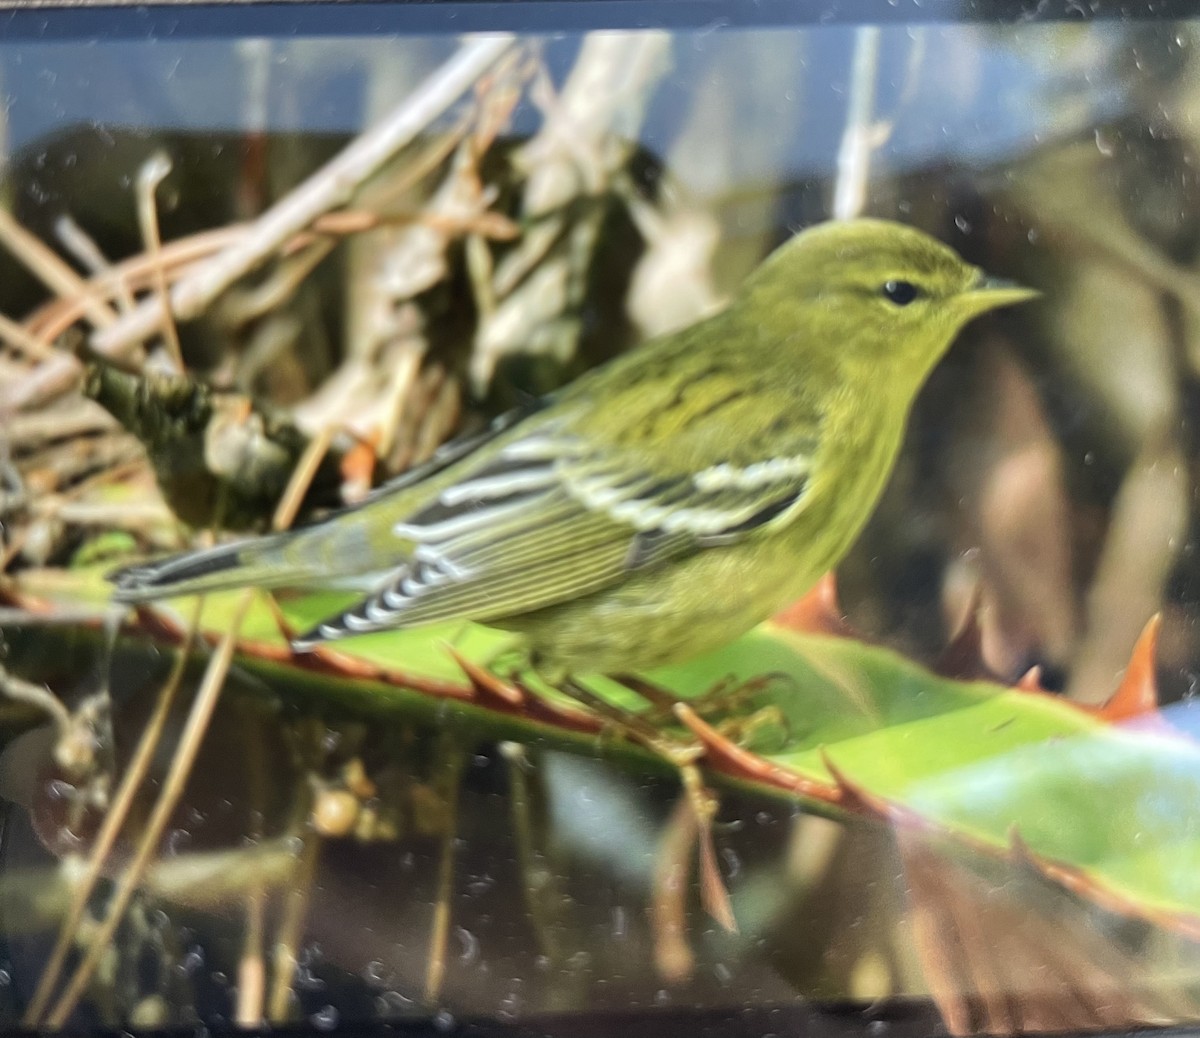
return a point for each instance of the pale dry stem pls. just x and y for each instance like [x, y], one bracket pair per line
[43, 263]
[291, 929]
[252, 968]
[21, 691]
[18, 337]
[83, 247]
[673, 955]
[439, 933]
[302, 477]
[154, 170]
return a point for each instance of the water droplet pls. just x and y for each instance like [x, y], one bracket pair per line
[510, 1005]
[470, 944]
[443, 1020]
[57, 789]
[390, 1003]
[480, 885]
[324, 1019]
[1105, 144]
[963, 224]
[618, 922]
[733, 864]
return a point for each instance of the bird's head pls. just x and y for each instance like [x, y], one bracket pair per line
[877, 293]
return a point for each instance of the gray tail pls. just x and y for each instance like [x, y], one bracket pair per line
[240, 564]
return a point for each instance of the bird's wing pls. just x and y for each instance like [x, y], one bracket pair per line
[551, 516]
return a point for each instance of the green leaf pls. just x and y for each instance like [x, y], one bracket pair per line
[1108, 809]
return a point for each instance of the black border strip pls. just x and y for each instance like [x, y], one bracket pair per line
[21, 20]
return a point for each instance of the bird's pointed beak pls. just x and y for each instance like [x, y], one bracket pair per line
[988, 292]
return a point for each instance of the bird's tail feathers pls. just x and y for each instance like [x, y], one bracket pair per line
[257, 563]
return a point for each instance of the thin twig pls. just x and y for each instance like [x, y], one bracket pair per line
[252, 965]
[673, 955]
[83, 247]
[152, 173]
[11, 616]
[15, 546]
[21, 691]
[543, 895]
[435, 971]
[52, 271]
[252, 969]
[403, 378]
[330, 187]
[302, 477]
[291, 929]
[125, 516]
[18, 336]
[172, 789]
[138, 272]
[131, 783]
[84, 418]
[276, 290]
[134, 273]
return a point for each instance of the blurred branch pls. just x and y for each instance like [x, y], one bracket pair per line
[859, 135]
[584, 142]
[218, 459]
[52, 271]
[1145, 534]
[330, 187]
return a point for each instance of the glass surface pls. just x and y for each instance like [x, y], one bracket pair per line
[963, 784]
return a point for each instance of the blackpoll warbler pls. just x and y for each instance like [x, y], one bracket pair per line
[665, 503]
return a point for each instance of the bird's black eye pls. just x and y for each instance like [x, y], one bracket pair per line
[900, 292]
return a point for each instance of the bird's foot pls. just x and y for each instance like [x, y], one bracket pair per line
[760, 731]
[734, 708]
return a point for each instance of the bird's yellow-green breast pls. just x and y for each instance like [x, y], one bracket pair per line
[665, 503]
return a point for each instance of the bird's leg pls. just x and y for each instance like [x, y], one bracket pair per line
[662, 699]
[724, 705]
[730, 695]
[634, 726]
[702, 801]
